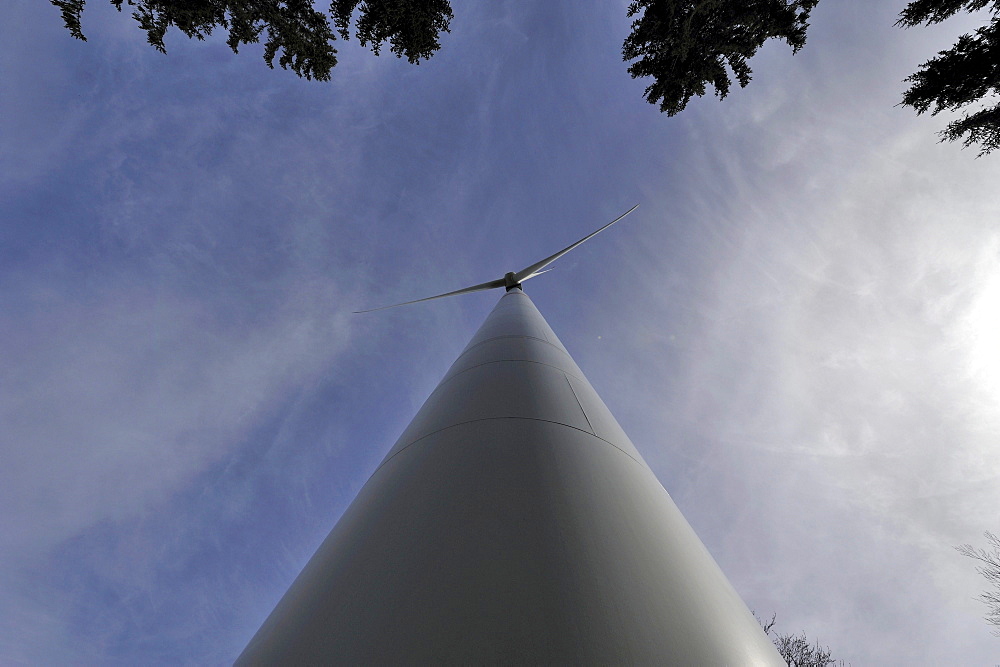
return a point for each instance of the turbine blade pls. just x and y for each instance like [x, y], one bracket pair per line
[475, 288]
[535, 269]
[536, 273]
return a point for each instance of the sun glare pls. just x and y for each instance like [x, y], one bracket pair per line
[983, 335]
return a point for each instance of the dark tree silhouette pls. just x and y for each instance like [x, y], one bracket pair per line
[966, 74]
[796, 649]
[990, 569]
[410, 26]
[684, 45]
[687, 44]
[302, 35]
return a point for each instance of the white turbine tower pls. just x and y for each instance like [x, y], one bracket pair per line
[512, 522]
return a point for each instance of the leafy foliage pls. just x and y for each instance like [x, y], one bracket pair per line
[303, 35]
[966, 74]
[686, 44]
[935, 11]
[70, 10]
[411, 27]
[991, 570]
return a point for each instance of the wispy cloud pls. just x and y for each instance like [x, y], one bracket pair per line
[831, 417]
[805, 355]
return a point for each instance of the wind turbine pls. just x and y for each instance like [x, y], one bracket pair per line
[512, 522]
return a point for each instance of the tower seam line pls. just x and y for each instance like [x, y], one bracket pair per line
[483, 342]
[565, 375]
[447, 379]
[483, 419]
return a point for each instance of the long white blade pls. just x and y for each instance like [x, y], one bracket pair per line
[493, 284]
[535, 269]
[536, 273]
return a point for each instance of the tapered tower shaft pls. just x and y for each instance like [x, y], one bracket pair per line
[513, 521]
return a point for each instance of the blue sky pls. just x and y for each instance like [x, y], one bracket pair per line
[797, 327]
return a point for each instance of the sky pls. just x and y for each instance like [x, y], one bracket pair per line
[797, 328]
